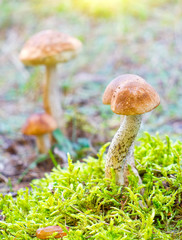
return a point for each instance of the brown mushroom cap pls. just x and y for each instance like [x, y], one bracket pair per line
[48, 48]
[134, 97]
[107, 96]
[39, 124]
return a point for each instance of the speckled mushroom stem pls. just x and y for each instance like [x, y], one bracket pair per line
[52, 96]
[43, 143]
[130, 161]
[120, 152]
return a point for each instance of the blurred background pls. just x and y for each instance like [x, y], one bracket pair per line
[119, 36]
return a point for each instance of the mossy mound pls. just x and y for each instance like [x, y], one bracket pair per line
[95, 208]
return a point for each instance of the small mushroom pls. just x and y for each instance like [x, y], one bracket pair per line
[47, 232]
[40, 125]
[50, 48]
[130, 96]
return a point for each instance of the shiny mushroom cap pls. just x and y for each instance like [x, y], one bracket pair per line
[107, 96]
[49, 47]
[134, 97]
[39, 124]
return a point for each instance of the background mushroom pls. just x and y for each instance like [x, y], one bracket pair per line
[131, 98]
[40, 125]
[50, 48]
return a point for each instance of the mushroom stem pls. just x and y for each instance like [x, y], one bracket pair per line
[43, 143]
[52, 100]
[120, 153]
[130, 161]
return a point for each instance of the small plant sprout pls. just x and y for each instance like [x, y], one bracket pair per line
[129, 96]
[50, 48]
[40, 125]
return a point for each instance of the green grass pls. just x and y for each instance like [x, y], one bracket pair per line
[94, 207]
[101, 8]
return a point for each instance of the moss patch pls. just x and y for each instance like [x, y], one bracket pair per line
[94, 208]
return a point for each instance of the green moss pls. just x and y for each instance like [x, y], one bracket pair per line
[95, 208]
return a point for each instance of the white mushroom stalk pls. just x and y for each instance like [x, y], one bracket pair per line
[121, 148]
[130, 161]
[52, 96]
[43, 143]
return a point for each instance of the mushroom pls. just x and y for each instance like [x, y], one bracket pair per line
[50, 48]
[40, 125]
[47, 232]
[130, 96]
[107, 96]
